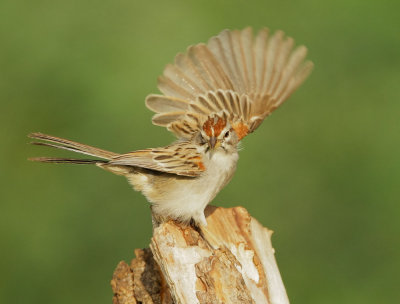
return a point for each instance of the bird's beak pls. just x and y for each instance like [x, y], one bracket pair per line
[213, 141]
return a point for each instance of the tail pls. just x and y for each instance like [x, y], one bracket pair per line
[65, 144]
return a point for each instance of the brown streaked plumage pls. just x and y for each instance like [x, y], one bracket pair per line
[213, 96]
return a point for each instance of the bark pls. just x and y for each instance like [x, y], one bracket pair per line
[231, 260]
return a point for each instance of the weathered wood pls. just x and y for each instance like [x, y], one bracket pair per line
[231, 260]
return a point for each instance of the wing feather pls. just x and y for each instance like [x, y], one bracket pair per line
[164, 119]
[260, 50]
[161, 104]
[180, 158]
[236, 74]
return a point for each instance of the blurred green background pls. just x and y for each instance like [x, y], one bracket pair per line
[323, 172]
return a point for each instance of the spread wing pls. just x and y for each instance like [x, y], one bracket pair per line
[236, 75]
[180, 158]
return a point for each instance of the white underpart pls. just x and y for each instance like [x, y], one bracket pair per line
[189, 199]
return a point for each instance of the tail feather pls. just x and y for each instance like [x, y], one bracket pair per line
[61, 147]
[65, 144]
[55, 160]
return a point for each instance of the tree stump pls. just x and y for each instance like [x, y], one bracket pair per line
[231, 260]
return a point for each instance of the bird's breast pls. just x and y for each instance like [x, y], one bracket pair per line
[220, 168]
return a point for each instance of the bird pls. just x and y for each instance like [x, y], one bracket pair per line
[212, 96]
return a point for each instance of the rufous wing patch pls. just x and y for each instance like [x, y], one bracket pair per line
[201, 165]
[198, 161]
[241, 129]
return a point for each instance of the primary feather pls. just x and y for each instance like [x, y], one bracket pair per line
[235, 74]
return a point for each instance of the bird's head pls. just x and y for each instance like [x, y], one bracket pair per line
[217, 134]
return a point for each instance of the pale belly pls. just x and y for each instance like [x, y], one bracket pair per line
[184, 198]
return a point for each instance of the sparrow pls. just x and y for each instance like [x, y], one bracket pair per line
[213, 95]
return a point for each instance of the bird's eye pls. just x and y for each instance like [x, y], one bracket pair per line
[200, 139]
[226, 134]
